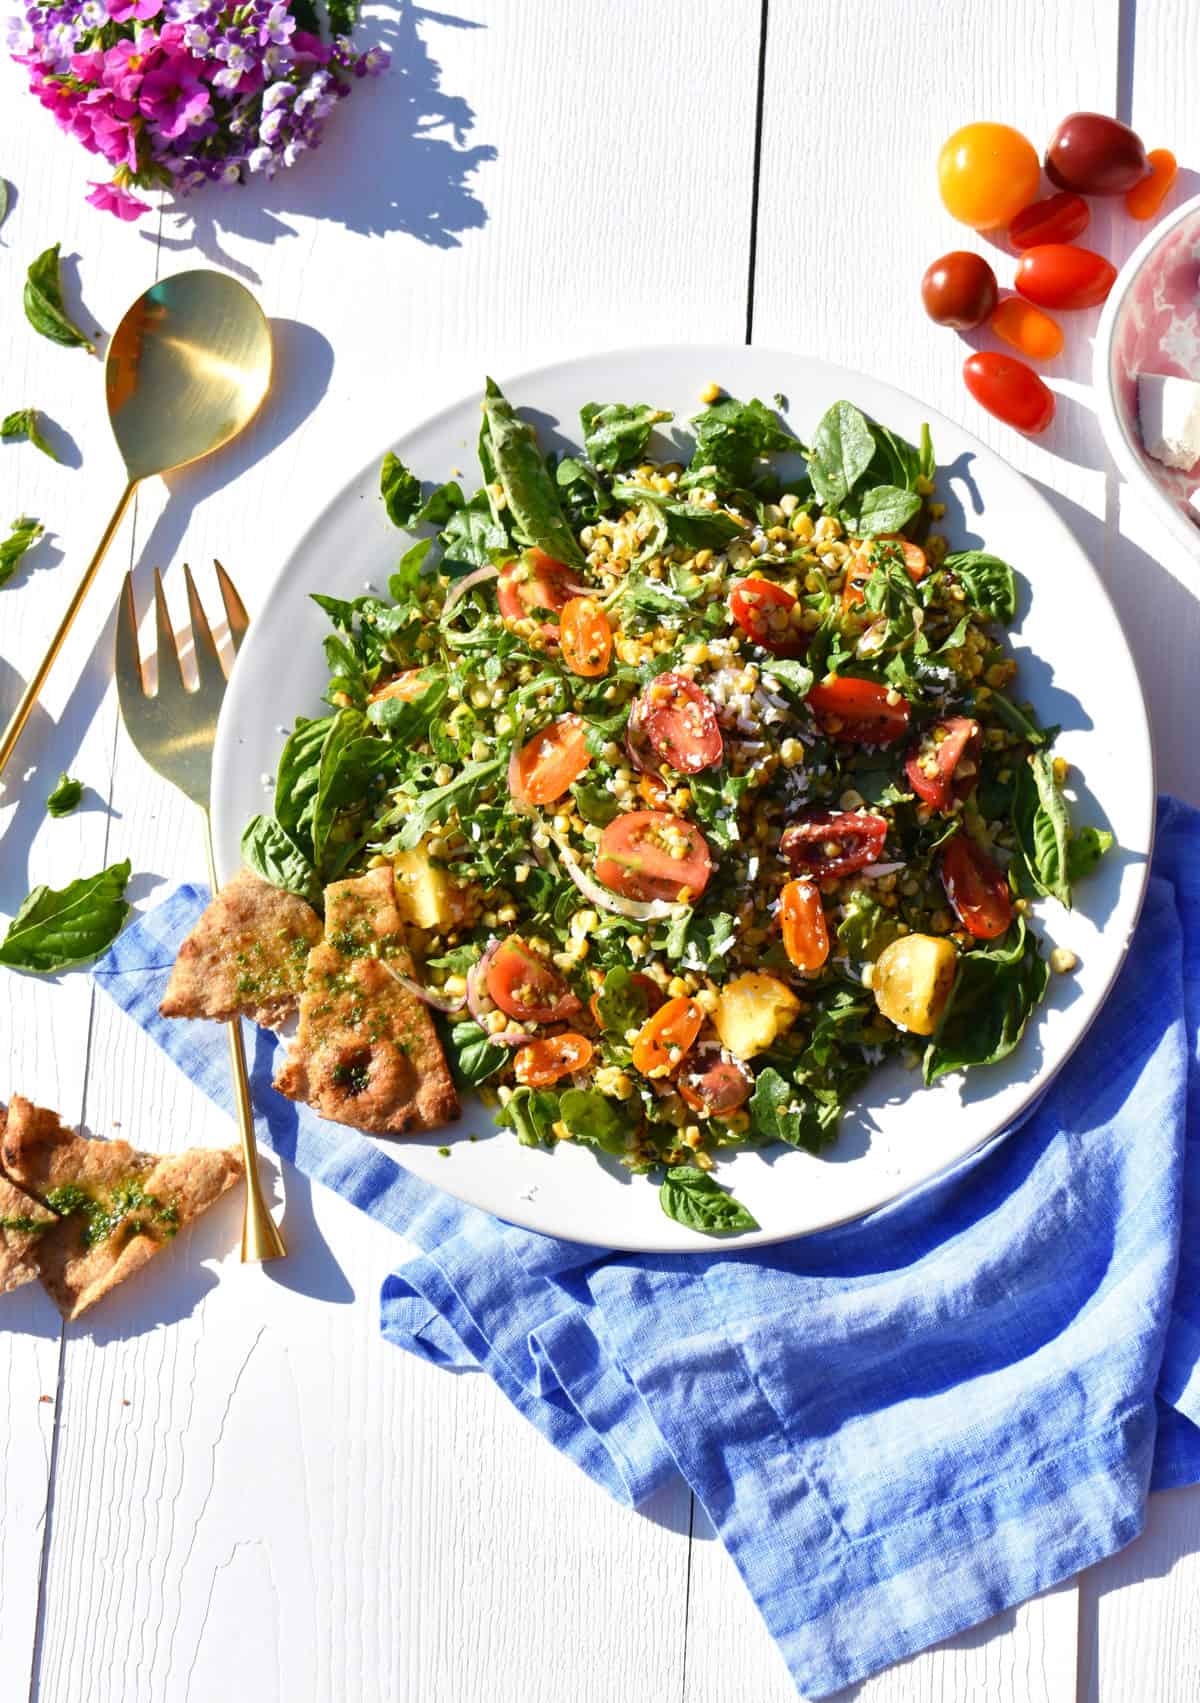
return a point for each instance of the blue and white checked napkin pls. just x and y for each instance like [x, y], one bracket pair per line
[898, 1427]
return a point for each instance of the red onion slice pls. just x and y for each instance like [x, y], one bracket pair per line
[461, 587]
[438, 1001]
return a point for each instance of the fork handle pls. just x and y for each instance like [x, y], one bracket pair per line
[21, 714]
[260, 1235]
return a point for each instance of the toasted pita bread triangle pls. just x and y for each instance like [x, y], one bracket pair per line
[22, 1223]
[246, 955]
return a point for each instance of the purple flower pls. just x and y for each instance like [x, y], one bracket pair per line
[173, 97]
[111, 198]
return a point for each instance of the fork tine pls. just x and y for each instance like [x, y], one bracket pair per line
[170, 680]
[208, 658]
[235, 609]
[128, 660]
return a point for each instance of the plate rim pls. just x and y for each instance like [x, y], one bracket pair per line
[701, 353]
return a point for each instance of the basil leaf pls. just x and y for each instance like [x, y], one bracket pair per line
[803, 1117]
[440, 504]
[44, 306]
[400, 490]
[531, 497]
[270, 851]
[3, 200]
[926, 462]
[432, 806]
[65, 797]
[614, 434]
[866, 927]
[842, 449]
[471, 537]
[532, 1112]
[474, 1056]
[795, 677]
[594, 803]
[1085, 850]
[298, 779]
[595, 1120]
[407, 720]
[405, 584]
[994, 994]
[24, 424]
[692, 1198]
[730, 438]
[686, 524]
[578, 487]
[55, 929]
[989, 583]
[350, 760]
[883, 508]
[1042, 824]
[25, 532]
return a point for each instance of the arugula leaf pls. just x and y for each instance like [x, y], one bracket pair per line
[471, 537]
[24, 424]
[595, 1120]
[842, 450]
[531, 497]
[1085, 850]
[25, 532]
[65, 797]
[532, 1112]
[270, 851]
[44, 306]
[883, 508]
[866, 927]
[795, 678]
[989, 583]
[440, 504]
[585, 497]
[474, 1056]
[995, 992]
[803, 1117]
[1016, 720]
[401, 491]
[730, 436]
[432, 806]
[55, 929]
[614, 434]
[621, 1003]
[717, 804]
[298, 780]
[405, 584]
[1042, 824]
[692, 1198]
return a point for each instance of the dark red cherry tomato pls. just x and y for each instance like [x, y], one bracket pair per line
[976, 889]
[1059, 218]
[945, 765]
[830, 842]
[1010, 390]
[713, 1082]
[524, 985]
[1095, 155]
[764, 611]
[959, 290]
[1057, 274]
[858, 712]
[678, 720]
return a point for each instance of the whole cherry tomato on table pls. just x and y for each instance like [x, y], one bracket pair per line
[1027, 328]
[825, 843]
[1057, 274]
[1010, 390]
[763, 610]
[859, 712]
[976, 889]
[1146, 197]
[986, 174]
[1059, 218]
[959, 290]
[802, 919]
[1095, 155]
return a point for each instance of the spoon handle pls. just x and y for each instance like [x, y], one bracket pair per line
[30, 697]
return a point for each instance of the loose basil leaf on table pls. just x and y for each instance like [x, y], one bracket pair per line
[44, 306]
[55, 929]
[25, 532]
[65, 797]
[692, 1198]
[615, 434]
[23, 423]
[531, 496]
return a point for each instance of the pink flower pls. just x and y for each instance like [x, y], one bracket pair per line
[125, 66]
[111, 198]
[173, 97]
[120, 11]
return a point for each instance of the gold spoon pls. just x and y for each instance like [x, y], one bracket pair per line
[187, 370]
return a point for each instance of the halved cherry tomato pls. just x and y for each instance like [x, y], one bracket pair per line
[586, 637]
[1059, 218]
[542, 769]
[858, 711]
[1146, 197]
[664, 1038]
[764, 611]
[407, 687]
[976, 889]
[1057, 274]
[650, 854]
[1010, 390]
[713, 1082]
[945, 765]
[646, 986]
[678, 720]
[525, 986]
[544, 1061]
[830, 842]
[1027, 328]
[802, 918]
[533, 582]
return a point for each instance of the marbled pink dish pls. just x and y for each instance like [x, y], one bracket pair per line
[1158, 331]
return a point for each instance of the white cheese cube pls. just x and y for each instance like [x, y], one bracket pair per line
[1169, 414]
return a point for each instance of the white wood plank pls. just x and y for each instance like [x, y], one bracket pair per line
[313, 1514]
[1139, 1633]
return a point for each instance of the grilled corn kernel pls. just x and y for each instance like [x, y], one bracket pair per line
[1063, 960]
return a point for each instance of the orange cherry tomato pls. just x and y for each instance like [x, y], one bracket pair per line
[1057, 274]
[406, 687]
[544, 1061]
[525, 986]
[1010, 390]
[650, 854]
[586, 637]
[1146, 197]
[1059, 218]
[654, 790]
[534, 582]
[802, 918]
[544, 767]
[1028, 329]
[858, 712]
[986, 174]
[976, 889]
[664, 1039]
[763, 610]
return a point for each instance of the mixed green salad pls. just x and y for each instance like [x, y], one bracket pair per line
[704, 775]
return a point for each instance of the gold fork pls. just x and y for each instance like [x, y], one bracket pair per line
[174, 730]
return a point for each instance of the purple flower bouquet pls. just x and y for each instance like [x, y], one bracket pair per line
[177, 93]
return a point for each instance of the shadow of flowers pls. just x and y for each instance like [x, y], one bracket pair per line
[396, 157]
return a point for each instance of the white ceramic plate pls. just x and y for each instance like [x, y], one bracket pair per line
[1075, 667]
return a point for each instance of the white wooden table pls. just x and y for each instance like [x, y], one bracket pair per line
[227, 1485]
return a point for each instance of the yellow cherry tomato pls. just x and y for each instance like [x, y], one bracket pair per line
[1027, 328]
[987, 173]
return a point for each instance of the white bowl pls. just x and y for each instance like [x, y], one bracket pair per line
[1151, 324]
